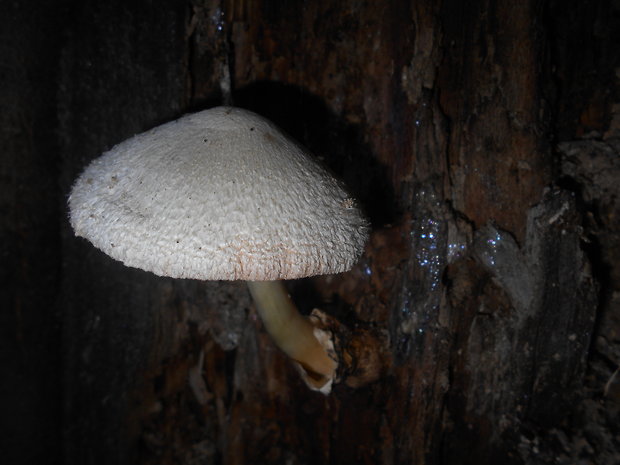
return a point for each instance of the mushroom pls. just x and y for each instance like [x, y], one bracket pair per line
[223, 194]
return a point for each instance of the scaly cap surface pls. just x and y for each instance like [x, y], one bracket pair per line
[219, 194]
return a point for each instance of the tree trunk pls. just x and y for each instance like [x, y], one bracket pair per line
[484, 155]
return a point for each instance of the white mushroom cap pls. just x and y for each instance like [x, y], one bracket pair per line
[219, 194]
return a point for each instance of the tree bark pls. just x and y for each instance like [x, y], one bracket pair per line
[492, 254]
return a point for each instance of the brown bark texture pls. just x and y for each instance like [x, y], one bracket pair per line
[482, 140]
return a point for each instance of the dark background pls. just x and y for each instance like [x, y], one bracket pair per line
[482, 139]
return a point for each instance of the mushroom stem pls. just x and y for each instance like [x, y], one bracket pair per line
[293, 333]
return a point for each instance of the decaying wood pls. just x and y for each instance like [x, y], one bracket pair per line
[493, 252]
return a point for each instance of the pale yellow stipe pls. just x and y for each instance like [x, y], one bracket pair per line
[292, 332]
